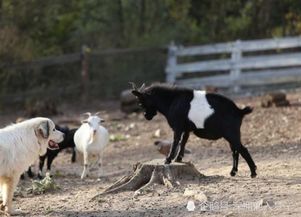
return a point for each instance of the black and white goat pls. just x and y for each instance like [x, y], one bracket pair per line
[207, 115]
[68, 142]
[51, 154]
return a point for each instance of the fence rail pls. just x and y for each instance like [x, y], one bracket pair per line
[88, 73]
[254, 62]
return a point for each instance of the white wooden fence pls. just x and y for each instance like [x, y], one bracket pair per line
[240, 63]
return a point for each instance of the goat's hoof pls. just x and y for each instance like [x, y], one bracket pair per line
[179, 160]
[233, 173]
[253, 173]
[167, 161]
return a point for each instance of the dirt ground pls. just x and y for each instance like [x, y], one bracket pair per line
[272, 135]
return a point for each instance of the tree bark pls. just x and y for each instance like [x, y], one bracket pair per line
[149, 174]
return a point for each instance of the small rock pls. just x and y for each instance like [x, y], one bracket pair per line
[163, 146]
[277, 99]
[230, 214]
[130, 127]
[197, 195]
[188, 192]
[265, 202]
[201, 197]
[157, 133]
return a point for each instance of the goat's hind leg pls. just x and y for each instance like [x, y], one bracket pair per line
[99, 165]
[246, 155]
[235, 156]
[235, 143]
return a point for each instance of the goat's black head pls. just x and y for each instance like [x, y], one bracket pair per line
[145, 101]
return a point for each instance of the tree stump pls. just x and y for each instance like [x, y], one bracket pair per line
[277, 99]
[155, 172]
[41, 108]
[164, 146]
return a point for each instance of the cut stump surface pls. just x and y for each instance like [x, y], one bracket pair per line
[155, 172]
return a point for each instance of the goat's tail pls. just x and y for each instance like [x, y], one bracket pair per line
[246, 110]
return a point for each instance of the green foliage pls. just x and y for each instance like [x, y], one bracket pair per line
[32, 29]
[41, 187]
[52, 27]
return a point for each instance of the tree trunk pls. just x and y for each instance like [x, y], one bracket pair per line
[149, 174]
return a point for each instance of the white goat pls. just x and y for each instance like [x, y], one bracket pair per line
[91, 138]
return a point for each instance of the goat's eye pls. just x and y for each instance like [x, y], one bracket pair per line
[54, 129]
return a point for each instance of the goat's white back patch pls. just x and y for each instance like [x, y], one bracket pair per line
[200, 109]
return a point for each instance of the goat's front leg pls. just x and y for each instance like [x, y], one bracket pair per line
[50, 159]
[182, 149]
[173, 148]
[41, 165]
[86, 169]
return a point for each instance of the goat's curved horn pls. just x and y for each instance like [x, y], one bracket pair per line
[97, 113]
[134, 87]
[142, 87]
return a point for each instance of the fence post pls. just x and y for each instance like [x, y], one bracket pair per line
[235, 70]
[171, 63]
[84, 73]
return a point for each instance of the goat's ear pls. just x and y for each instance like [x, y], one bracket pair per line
[43, 130]
[136, 93]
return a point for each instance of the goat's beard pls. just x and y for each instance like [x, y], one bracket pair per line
[92, 137]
